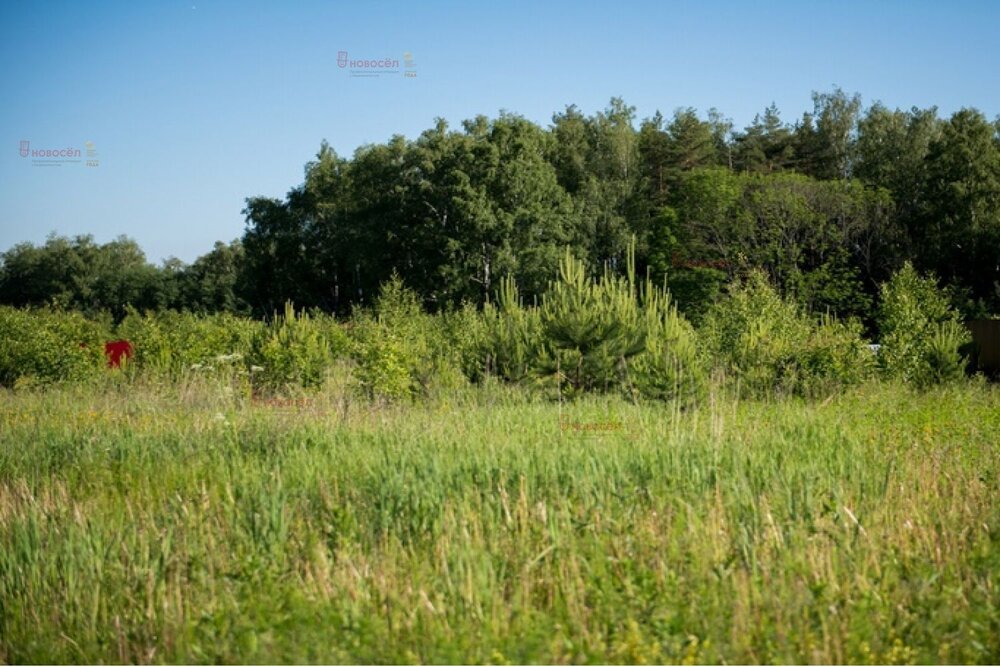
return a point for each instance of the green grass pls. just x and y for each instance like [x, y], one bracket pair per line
[183, 524]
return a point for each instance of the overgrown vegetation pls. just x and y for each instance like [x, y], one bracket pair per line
[609, 334]
[769, 344]
[43, 346]
[186, 524]
[921, 334]
[587, 477]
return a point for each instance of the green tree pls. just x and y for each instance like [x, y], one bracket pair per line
[836, 116]
[592, 328]
[765, 145]
[692, 141]
[960, 238]
[921, 334]
[213, 282]
[79, 273]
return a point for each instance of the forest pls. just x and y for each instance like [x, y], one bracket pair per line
[828, 207]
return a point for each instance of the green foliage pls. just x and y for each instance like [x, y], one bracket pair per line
[835, 356]
[45, 345]
[402, 351]
[212, 283]
[81, 274]
[174, 343]
[295, 350]
[672, 366]
[466, 331]
[960, 228]
[754, 333]
[382, 369]
[514, 339]
[945, 362]
[78, 273]
[609, 334]
[920, 331]
[695, 289]
[829, 206]
[592, 328]
[769, 345]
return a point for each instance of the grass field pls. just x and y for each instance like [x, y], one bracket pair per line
[180, 524]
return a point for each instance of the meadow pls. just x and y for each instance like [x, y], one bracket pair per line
[162, 522]
[591, 479]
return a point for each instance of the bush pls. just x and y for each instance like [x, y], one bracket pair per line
[769, 345]
[401, 350]
[591, 328]
[512, 338]
[921, 332]
[610, 334]
[754, 333]
[835, 356]
[174, 343]
[41, 346]
[295, 350]
[944, 361]
[672, 366]
[382, 371]
[467, 333]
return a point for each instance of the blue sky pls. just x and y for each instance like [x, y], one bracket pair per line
[194, 105]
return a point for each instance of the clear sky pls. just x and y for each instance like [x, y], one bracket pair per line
[191, 106]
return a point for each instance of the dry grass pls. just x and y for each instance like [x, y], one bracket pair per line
[186, 524]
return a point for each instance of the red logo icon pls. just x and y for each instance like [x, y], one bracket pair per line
[341, 58]
[24, 148]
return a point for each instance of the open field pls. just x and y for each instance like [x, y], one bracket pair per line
[181, 524]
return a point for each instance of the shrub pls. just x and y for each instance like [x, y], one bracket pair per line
[591, 328]
[512, 338]
[770, 345]
[835, 356]
[753, 333]
[920, 331]
[173, 343]
[295, 350]
[401, 350]
[672, 366]
[944, 361]
[467, 334]
[382, 370]
[610, 334]
[41, 346]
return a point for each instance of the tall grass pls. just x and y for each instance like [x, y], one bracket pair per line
[189, 524]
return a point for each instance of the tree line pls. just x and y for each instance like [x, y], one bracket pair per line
[827, 206]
